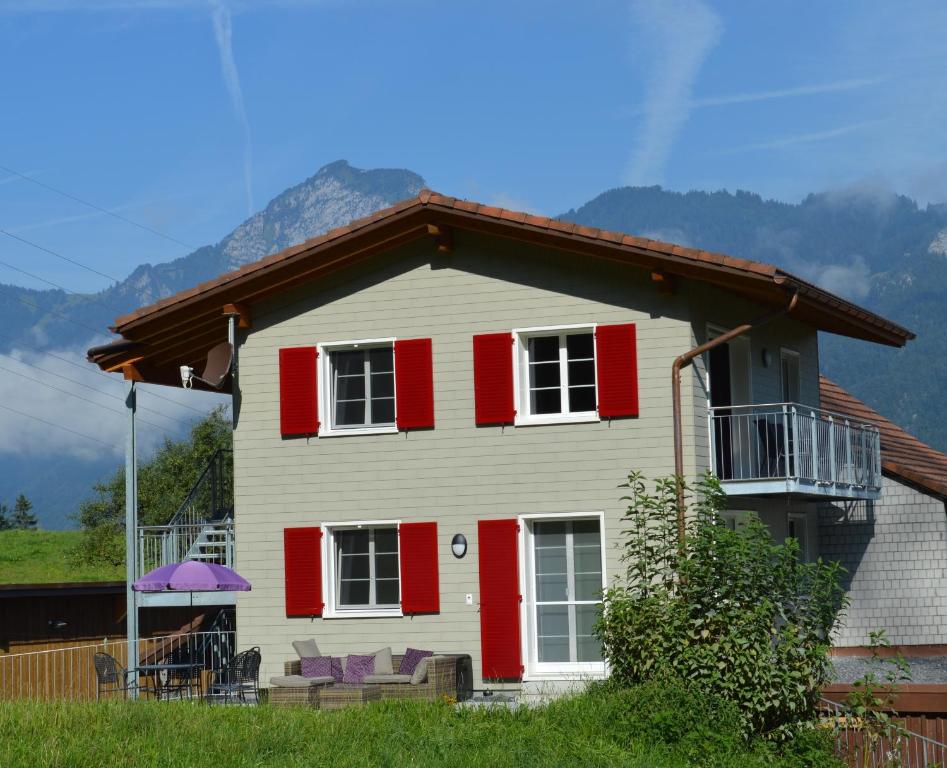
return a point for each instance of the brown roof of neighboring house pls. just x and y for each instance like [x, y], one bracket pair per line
[902, 455]
[176, 329]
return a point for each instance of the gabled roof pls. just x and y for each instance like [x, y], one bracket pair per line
[181, 328]
[903, 456]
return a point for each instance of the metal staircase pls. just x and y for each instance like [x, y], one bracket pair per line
[201, 529]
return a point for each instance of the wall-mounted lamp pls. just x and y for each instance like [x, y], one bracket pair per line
[58, 625]
[458, 545]
[767, 358]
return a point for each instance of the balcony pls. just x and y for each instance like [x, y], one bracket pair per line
[791, 448]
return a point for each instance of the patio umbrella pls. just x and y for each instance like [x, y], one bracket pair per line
[192, 576]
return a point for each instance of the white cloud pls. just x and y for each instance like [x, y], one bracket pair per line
[851, 280]
[678, 35]
[85, 429]
[784, 93]
[804, 138]
[223, 35]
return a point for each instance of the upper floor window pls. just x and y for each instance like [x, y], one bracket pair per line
[556, 375]
[363, 387]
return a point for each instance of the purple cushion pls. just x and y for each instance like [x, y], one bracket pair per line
[412, 657]
[356, 667]
[322, 666]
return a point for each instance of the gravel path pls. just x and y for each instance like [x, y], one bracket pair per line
[848, 669]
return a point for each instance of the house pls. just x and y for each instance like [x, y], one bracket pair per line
[434, 407]
[894, 549]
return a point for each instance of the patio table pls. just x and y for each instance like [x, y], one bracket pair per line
[155, 670]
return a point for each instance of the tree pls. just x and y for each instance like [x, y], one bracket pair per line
[163, 483]
[22, 517]
[734, 613]
[5, 523]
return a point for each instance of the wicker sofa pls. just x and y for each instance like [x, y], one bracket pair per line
[443, 673]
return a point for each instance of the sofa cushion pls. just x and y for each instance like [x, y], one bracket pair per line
[387, 679]
[420, 671]
[383, 665]
[306, 649]
[322, 666]
[411, 658]
[357, 667]
[298, 681]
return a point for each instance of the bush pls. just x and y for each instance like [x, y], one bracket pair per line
[733, 613]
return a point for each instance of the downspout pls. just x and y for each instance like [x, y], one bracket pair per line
[682, 362]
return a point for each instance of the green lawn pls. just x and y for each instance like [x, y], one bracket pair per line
[638, 728]
[42, 557]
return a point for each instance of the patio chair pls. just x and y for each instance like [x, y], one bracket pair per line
[182, 682]
[239, 680]
[110, 676]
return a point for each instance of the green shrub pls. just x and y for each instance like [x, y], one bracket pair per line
[733, 613]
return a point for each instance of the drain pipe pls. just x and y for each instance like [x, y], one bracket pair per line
[682, 362]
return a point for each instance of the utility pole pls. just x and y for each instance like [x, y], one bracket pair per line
[131, 531]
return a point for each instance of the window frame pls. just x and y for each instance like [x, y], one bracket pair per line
[785, 353]
[521, 337]
[327, 426]
[529, 639]
[799, 519]
[331, 609]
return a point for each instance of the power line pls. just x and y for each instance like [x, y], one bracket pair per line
[89, 386]
[90, 369]
[58, 426]
[92, 296]
[80, 397]
[51, 252]
[98, 208]
[22, 300]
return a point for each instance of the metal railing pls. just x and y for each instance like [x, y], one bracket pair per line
[68, 673]
[779, 441]
[165, 544]
[211, 498]
[859, 749]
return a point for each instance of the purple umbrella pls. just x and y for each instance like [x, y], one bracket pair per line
[192, 576]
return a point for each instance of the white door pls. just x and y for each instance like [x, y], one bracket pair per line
[743, 425]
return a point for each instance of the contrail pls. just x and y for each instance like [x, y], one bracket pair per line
[223, 34]
[680, 34]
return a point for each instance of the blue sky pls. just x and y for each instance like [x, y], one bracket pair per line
[185, 115]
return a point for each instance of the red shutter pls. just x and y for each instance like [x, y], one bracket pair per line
[302, 550]
[499, 600]
[493, 378]
[414, 384]
[616, 359]
[420, 587]
[298, 405]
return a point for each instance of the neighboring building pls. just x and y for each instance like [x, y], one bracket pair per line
[895, 548]
[442, 370]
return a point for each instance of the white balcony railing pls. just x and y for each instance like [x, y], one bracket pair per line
[787, 447]
[165, 544]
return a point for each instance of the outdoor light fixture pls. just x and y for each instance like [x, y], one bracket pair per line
[767, 358]
[458, 545]
[58, 624]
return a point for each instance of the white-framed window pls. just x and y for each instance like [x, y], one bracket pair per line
[555, 375]
[789, 377]
[357, 387]
[563, 579]
[797, 527]
[734, 519]
[361, 569]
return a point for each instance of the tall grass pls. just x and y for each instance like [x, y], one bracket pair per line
[638, 728]
[45, 557]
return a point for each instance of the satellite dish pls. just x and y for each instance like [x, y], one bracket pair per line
[219, 360]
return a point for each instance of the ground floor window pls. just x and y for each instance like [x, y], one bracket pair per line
[364, 569]
[564, 575]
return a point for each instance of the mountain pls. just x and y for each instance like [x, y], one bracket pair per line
[878, 249]
[67, 324]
